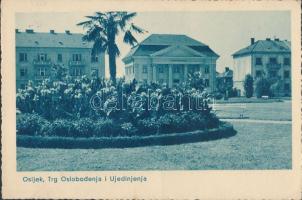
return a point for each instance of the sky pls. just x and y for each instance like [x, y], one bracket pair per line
[224, 32]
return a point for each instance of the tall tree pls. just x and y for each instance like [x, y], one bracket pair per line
[103, 28]
[248, 85]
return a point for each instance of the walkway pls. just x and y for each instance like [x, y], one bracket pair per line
[258, 121]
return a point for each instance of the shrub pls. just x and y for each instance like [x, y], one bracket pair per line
[147, 126]
[106, 128]
[84, 127]
[128, 129]
[248, 86]
[211, 121]
[30, 124]
[60, 127]
[262, 87]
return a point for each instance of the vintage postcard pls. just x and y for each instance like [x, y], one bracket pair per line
[151, 99]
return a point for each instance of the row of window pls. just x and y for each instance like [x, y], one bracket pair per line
[273, 73]
[177, 81]
[272, 60]
[175, 69]
[42, 71]
[43, 57]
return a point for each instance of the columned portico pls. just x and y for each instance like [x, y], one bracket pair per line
[185, 72]
[154, 73]
[170, 75]
[170, 63]
[175, 72]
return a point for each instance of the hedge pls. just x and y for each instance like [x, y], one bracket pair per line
[225, 130]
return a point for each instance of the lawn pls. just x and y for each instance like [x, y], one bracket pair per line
[262, 111]
[256, 146]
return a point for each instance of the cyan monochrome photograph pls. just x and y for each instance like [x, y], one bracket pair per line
[121, 90]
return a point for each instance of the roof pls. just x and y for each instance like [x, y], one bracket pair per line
[226, 73]
[157, 42]
[57, 40]
[170, 39]
[265, 46]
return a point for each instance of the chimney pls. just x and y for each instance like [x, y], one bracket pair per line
[68, 32]
[268, 39]
[29, 31]
[52, 31]
[252, 41]
[17, 30]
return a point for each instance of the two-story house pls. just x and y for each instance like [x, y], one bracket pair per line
[270, 58]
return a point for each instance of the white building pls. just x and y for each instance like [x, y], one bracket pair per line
[168, 58]
[37, 52]
[270, 58]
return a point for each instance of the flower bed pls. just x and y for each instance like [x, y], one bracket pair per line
[35, 125]
[65, 110]
[223, 131]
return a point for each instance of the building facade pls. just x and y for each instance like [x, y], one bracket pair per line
[270, 58]
[37, 52]
[167, 58]
[224, 81]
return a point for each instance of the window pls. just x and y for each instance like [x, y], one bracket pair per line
[286, 87]
[196, 68]
[207, 69]
[76, 57]
[176, 69]
[273, 60]
[145, 69]
[176, 81]
[22, 57]
[22, 86]
[94, 58]
[23, 72]
[273, 74]
[60, 58]
[207, 82]
[42, 57]
[258, 73]
[42, 71]
[76, 71]
[286, 61]
[160, 69]
[286, 74]
[95, 72]
[258, 61]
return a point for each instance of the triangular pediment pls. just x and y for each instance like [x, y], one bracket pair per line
[177, 51]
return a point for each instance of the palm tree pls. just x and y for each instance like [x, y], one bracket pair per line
[103, 28]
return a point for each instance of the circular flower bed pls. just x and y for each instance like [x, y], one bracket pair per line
[223, 131]
[65, 112]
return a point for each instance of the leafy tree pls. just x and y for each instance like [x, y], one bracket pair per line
[248, 86]
[103, 28]
[276, 88]
[196, 80]
[58, 72]
[262, 87]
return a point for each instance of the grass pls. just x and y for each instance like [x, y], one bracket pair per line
[267, 111]
[256, 146]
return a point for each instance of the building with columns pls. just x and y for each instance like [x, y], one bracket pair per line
[37, 52]
[168, 58]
